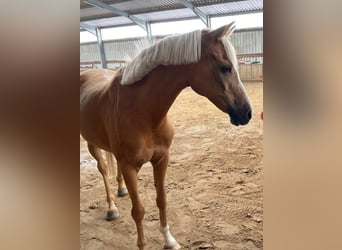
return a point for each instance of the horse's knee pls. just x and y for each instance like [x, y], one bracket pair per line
[138, 213]
[102, 169]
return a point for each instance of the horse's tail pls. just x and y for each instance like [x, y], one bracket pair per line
[110, 163]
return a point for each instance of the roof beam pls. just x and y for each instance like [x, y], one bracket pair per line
[204, 17]
[101, 5]
[101, 48]
[149, 32]
[88, 28]
[96, 31]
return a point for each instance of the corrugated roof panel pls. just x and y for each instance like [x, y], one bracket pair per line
[129, 5]
[234, 7]
[248, 41]
[138, 5]
[167, 15]
[112, 21]
[123, 50]
[210, 2]
[93, 12]
[89, 52]
[163, 10]
[83, 4]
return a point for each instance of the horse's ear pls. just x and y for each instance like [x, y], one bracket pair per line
[225, 30]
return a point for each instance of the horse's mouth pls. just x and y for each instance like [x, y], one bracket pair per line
[239, 118]
[234, 122]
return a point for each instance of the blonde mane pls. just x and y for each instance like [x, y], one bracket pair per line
[173, 50]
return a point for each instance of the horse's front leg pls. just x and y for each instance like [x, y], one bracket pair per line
[159, 172]
[130, 173]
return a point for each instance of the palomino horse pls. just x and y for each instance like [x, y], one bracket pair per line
[125, 112]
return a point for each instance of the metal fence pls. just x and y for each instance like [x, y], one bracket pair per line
[248, 71]
[251, 67]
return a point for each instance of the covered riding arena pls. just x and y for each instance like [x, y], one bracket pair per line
[215, 176]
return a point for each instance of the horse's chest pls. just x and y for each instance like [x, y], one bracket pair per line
[144, 148]
[144, 144]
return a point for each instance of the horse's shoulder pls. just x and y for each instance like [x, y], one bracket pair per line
[164, 133]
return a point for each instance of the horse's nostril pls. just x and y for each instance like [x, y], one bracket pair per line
[249, 115]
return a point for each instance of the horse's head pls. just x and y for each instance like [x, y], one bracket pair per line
[216, 75]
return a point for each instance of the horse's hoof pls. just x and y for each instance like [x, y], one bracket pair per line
[122, 192]
[175, 247]
[112, 214]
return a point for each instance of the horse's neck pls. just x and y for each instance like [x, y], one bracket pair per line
[158, 91]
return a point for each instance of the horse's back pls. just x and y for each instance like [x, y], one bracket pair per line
[97, 78]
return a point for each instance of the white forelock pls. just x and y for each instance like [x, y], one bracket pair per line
[230, 51]
[173, 50]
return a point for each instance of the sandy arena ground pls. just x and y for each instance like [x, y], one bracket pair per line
[214, 184]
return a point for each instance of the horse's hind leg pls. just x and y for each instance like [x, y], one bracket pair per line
[122, 190]
[159, 172]
[113, 211]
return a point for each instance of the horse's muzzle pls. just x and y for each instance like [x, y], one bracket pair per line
[240, 116]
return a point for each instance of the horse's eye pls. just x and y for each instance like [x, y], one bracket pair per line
[226, 69]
